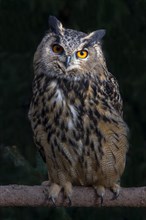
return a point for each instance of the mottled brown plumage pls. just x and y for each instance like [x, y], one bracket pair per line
[76, 112]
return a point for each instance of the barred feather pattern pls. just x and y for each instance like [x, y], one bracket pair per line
[79, 128]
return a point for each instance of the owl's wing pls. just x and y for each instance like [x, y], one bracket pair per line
[34, 118]
[112, 90]
[41, 150]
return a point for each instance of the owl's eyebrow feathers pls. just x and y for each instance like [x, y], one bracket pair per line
[54, 37]
[86, 44]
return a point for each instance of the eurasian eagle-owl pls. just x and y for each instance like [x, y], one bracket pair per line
[76, 112]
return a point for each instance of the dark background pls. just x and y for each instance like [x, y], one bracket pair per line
[22, 26]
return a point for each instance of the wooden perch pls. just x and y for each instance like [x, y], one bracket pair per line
[34, 196]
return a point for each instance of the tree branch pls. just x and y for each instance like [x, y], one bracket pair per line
[15, 195]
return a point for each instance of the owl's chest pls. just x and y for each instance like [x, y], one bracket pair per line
[62, 108]
[68, 106]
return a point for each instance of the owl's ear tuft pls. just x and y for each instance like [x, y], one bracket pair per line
[99, 34]
[55, 25]
[95, 36]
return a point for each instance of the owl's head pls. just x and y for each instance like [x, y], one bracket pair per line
[68, 52]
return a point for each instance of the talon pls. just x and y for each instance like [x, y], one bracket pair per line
[115, 195]
[69, 201]
[100, 190]
[52, 200]
[116, 191]
[68, 192]
[54, 191]
[101, 200]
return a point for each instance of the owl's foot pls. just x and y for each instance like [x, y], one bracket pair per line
[54, 191]
[116, 191]
[100, 190]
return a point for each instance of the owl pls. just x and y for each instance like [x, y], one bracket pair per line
[76, 113]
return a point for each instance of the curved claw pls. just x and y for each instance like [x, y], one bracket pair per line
[68, 192]
[53, 201]
[101, 200]
[54, 192]
[69, 201]
[100, 190]
[116, 191]
[115, 195]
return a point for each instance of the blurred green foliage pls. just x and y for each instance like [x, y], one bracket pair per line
[22, 26]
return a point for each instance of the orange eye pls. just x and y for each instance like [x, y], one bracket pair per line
[82, 54]
[57, 48]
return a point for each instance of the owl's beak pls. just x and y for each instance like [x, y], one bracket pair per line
[68, 60]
